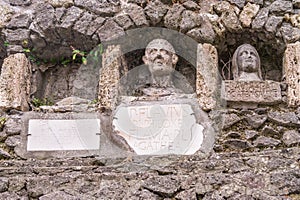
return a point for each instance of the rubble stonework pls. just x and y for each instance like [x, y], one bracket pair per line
[256, 150]
[291, 68]
[15, 83]
[85, 24]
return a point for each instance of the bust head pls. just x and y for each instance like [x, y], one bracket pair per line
[246, 64]
[160, 57]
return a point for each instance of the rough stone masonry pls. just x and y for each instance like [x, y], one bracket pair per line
[256, 153]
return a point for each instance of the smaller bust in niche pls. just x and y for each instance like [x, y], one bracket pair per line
[246, 64]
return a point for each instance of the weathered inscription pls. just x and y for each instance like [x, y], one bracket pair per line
[159, 129]
[53, 135]
[264, 92]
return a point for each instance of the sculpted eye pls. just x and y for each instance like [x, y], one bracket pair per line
[151, 51]
[242, 53]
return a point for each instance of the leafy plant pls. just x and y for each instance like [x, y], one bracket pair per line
[94, 101]
[2, 122]
[36, 102]
[26, 50]
[6, 44]
[97, 52]
[77, 53]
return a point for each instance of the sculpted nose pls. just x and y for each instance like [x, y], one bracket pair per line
[158, 54]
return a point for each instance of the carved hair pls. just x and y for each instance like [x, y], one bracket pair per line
[162, 43]
[235, 67]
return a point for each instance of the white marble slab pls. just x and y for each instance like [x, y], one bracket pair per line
[55, 135]
[159, 129]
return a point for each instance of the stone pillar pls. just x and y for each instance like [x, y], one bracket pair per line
[207, 78]
[15, 82]
[291, 71]
[110, 74]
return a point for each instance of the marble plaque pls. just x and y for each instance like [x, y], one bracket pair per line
[55, 135]
[159, 129]
[261, 92]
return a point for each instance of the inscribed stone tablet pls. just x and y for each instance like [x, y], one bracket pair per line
[159, 129]
[261, 92]
[53, 135]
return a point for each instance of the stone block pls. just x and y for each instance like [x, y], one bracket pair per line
[296, 3]
[207, 78]
[280, 7]
[110, 31]
[239, 3]
[249, 11]
[173, 17]
[291, 137]
[110, 77]
[204, 33]
[59, 3]
[124, 21]
[256, 121]
[155, 11]
[4, 154]
[260, 19]
[102, 8]
[15, 82]
[260, 92]
[291, 71]
[228, 16]
[263, 141]
[20, 21]
[20, 2]
[230, 119]
[137, 15]
[272, 23]
[284, 118]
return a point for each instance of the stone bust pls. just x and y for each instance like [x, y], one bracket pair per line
[246, 64]
[161, 60]
[157, 77]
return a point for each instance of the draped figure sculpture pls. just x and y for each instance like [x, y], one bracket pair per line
[246, 64]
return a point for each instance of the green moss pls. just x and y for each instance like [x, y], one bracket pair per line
[36, 102]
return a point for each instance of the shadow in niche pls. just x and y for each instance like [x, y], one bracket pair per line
[3, 52]
[56, 83]
[271, 55]
[134, 59]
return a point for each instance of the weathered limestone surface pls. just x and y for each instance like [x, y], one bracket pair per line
[52, 24]
[291, 68]
[267, 175]
[207, 78]
[263, 92]
[15, 83]
[249, 11]
[270, 170]
[112, 62]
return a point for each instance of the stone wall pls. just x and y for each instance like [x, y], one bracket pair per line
[256, 154]
[45, 26]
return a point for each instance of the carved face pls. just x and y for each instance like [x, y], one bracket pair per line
[160, 58]
[247, 60]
